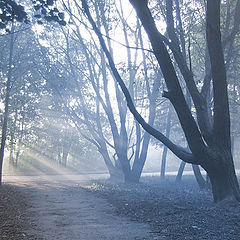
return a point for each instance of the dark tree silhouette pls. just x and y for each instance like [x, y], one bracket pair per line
[209, 138]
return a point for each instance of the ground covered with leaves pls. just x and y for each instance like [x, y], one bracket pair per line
[173, 210]
[13, 219]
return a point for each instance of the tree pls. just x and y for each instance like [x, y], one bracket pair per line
[6, 103]
[11, 11]
[45, 10]
[209, 141]
[95, 110]
[21, 87]
[11, 14]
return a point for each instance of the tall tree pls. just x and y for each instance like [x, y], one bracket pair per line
[120, 136]
[209, 143]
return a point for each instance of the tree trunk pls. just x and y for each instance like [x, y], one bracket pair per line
[116, 175]
[220, 186]
[200, 180]
[115, 172]
[222, 176]
[139, 163]
[164, 159]
[12, 138]
[59, 157]
[180, 171]
[11, 159]
[20, 141]
[164, 156]
[64, 158]
[66, 150]
[224, 184]
[126, 168]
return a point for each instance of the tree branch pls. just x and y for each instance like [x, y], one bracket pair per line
[198, 100]
[175, 93]
[178, 151]
[221, 125]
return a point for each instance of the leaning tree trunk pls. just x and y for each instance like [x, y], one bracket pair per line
[180, 171]
[200, 180]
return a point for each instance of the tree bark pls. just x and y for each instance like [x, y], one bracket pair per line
[222, 176]
[180, 171]
[164, 155]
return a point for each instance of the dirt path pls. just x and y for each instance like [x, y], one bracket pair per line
[65, 211]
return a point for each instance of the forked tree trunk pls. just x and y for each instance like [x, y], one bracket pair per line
[139, 162]
[126, 168]
[115, 172]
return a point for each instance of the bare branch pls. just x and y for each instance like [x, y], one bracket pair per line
[180, 152]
